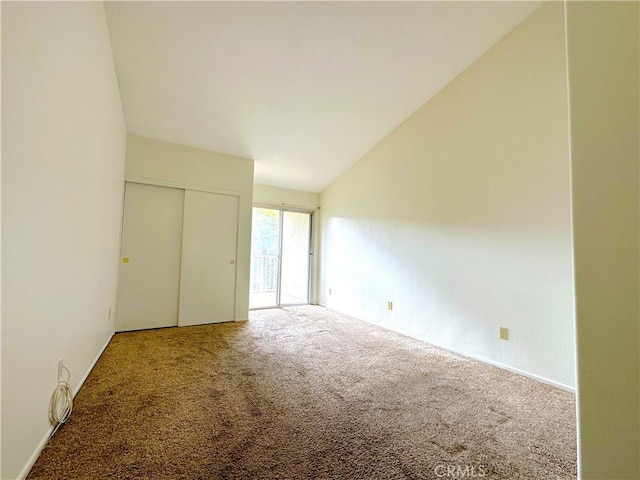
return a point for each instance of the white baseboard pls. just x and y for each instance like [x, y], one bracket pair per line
[482, 359]
[32, 460]
[524, 373]
[93, 364]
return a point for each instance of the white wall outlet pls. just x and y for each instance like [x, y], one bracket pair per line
[504, 333]
[389, 305]
[60, 367]
[109, 314]
[329, 291]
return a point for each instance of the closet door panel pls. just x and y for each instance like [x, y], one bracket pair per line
[208, 273]
[149, 273]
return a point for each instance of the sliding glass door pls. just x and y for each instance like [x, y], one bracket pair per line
[265, 257]
[280, 258]
[294, 267]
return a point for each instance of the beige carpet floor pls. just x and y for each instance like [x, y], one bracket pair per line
[302, 393]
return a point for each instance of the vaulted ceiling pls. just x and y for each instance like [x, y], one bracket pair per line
[303, 88]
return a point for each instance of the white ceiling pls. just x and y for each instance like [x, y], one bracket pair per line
[303, 88]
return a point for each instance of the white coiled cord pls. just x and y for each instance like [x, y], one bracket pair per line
[61, 403]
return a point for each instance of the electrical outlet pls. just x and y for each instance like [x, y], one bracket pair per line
[389, 305]
[504, 333]
[329, 291]
[60, 367]
[109, 314]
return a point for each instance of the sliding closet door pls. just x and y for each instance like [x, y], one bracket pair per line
[207, 285]
[148, 282]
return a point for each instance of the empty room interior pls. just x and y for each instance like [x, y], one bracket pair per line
[320, 240]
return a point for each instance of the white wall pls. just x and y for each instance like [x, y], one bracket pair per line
[286, 197]
[603, 56]
[154, 159]
[63, 147]
[461, 216]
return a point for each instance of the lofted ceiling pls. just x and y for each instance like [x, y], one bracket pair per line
[303, 88]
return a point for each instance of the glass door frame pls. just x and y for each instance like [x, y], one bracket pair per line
[281, 209]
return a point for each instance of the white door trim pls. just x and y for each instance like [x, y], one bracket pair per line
[185, 186]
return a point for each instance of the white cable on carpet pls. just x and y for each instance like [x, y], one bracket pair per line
[61, 403]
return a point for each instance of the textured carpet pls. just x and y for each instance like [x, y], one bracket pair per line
[306, 393]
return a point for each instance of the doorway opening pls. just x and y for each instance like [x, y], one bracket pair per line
[280, 257]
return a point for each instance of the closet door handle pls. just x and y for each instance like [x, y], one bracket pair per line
[232, 261]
